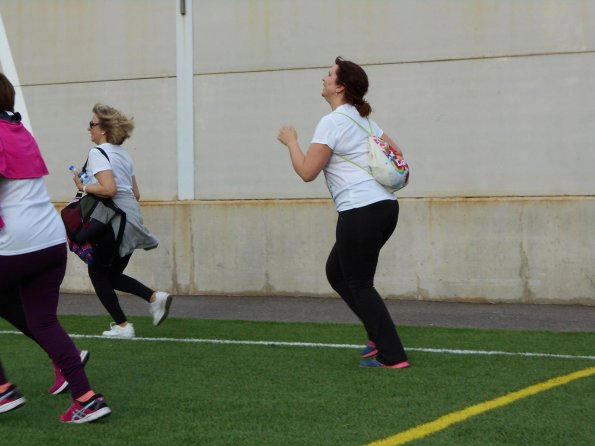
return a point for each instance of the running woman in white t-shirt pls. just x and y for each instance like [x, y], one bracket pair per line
[368, 213]
[112, 175]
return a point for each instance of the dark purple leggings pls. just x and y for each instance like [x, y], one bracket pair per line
[29, 292]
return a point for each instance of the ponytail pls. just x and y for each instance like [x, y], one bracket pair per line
[355, 80]
[364, 108]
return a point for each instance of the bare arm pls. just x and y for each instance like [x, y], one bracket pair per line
[307, 166]
[106, 187]
[135, 189]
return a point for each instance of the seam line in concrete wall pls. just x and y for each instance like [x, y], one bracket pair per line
[273, 70]
[407, 62]
[97, 81]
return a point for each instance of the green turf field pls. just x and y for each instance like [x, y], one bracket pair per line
[175, 388]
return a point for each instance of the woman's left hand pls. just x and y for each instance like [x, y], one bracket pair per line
[287, 135]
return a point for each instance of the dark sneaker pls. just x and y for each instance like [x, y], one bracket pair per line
[369, 350]
[11, 399]
[60, 384]
[92, 410]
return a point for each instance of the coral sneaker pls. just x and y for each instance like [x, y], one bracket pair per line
[375, 364]
[60, 384]
[92, 410]
[160, 308]
[11, 399]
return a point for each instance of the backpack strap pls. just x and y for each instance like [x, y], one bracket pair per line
[84, 169]
[370, 133]
[352, 162]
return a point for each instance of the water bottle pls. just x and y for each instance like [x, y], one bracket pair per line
[83, 176]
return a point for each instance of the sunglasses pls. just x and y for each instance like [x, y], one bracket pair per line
[93, 124]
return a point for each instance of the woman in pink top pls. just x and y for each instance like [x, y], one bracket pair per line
[33, 263]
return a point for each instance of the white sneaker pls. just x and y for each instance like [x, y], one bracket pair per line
[160, 308]
[116, 331]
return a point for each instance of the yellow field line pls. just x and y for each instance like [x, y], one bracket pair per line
[441, 423]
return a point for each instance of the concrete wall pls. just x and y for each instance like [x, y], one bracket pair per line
[493, 103]
[484, 249]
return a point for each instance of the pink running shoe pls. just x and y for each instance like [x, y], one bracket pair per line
[92, 410]
[60, 384]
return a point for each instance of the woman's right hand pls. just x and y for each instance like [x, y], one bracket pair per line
[287, 135]
[77, 181]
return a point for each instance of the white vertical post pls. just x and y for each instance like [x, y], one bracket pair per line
[10, 71]
[185, 99]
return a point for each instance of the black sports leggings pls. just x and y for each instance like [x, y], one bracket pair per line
[351, 267]
[107, 279]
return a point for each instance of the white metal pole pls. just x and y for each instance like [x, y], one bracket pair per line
[10, 71]
[185, 99]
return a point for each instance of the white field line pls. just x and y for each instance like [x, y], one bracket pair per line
[322, 345]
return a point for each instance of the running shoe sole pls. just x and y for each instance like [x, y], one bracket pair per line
[12, 405]
[97, 415]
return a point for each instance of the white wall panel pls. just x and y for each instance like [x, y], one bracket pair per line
[488, 127]
[60, 116]
[492, 127]
[57, 41]
[238, 117]
[238, 35]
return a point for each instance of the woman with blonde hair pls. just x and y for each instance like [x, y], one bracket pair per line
[110, 170]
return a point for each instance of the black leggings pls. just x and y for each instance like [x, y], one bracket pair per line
[107, 279]
[351, 267]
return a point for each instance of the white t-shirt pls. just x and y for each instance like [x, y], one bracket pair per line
[120, 162]
[349, 185]
[31, 221]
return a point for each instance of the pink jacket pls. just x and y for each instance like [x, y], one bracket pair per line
[20, 157]
[19, 154]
